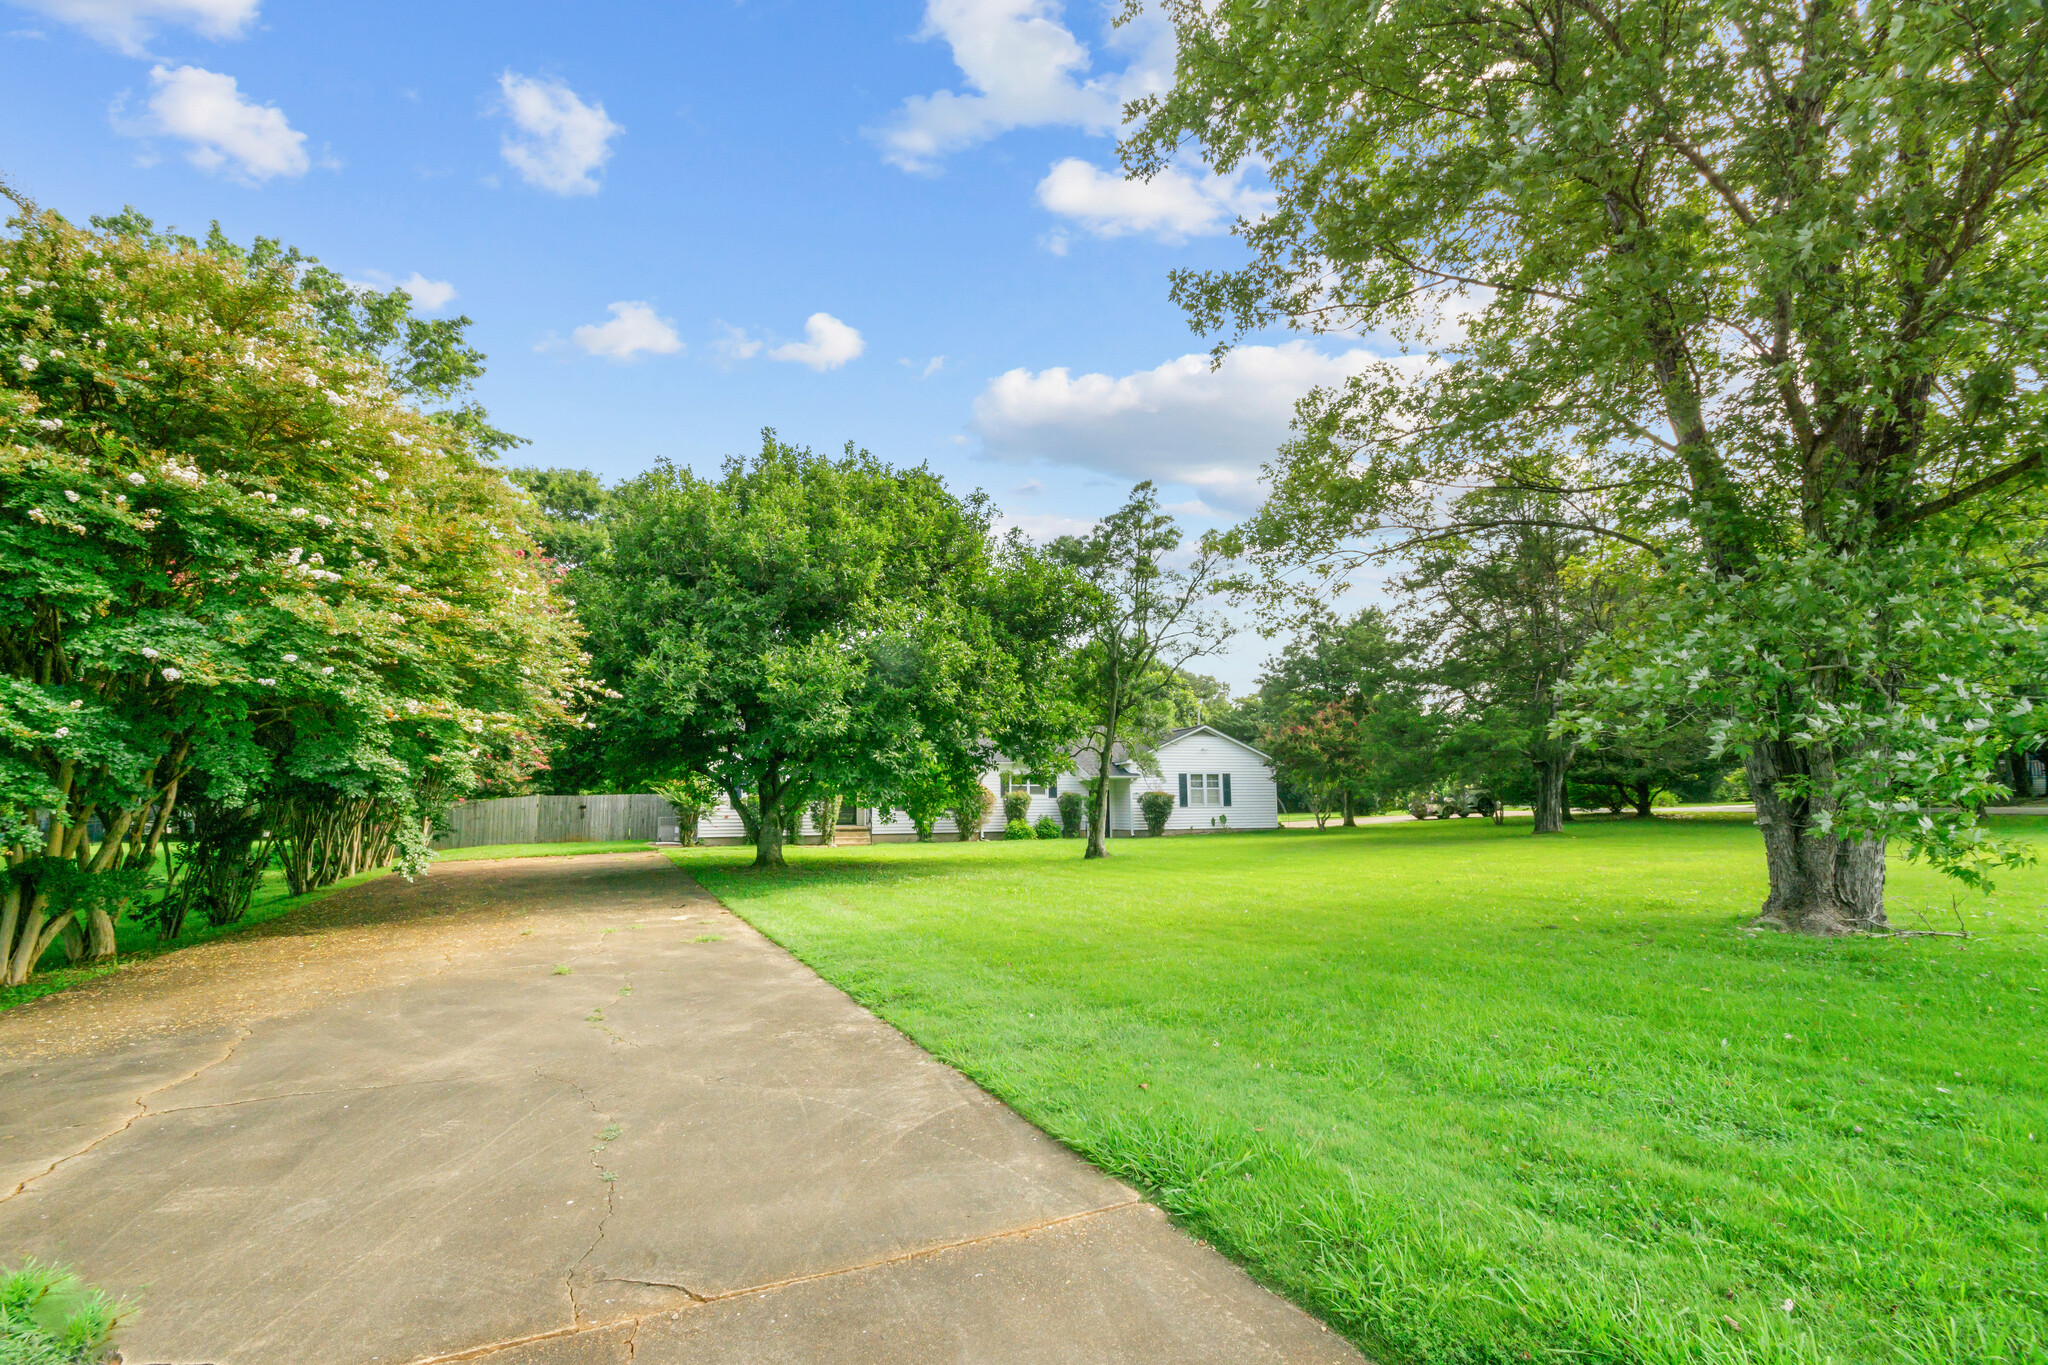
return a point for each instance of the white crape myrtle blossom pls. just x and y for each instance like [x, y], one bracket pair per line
[27, 363]
[1906, 675]
[172, 674]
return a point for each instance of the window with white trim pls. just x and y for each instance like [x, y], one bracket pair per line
[1019, 782]
[1205, 789]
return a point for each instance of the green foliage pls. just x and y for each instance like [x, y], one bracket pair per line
[1142, 622]
[1072, 806]
[567, 512]
[971, 811]
[802, 625]
[1046, 827]
[1019, 829]
[49, 1317]
[1157, 808]
[230, 546]
[1341, 710]
[1016, 803]
[221, 861]
[1741, 287]
[1910, 673]
[692, 795]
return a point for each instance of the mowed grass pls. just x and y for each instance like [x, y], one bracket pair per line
[1475, 1096]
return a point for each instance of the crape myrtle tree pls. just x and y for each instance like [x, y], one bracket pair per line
[800, 628]
[1141, 622]
[1344, 714]
[235, 557]
[1763, 287]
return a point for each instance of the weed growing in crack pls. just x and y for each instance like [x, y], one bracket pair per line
[709, 938]
[596, 1016]
[563, 969]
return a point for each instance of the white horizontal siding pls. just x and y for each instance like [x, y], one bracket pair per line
[1254, 796]
[723, 822]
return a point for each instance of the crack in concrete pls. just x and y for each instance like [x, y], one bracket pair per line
[638, 1320]
[142, 1111]
[610, 1194]
[655, 1284]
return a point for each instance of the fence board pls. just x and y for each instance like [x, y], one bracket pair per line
[556, 820]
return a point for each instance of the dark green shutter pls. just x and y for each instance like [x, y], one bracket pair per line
[1183, 789]
[1226, 789]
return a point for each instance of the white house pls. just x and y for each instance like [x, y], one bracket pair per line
[1217, 783]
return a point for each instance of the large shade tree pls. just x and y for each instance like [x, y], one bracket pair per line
[235, 553]
[1764, 288]
[801, 628]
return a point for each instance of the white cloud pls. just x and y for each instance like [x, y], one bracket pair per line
[430, 295]
[1170, 206]
[225, 128]
[1179, 423]
[129, 24]
[832, 343]
[928, 369]
[560, 140]
[635, 327]
[1022, 68]
[1043, 526]
[737, 345]
[1028, 488]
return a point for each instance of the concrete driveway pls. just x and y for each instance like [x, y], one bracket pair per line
[560, 1110]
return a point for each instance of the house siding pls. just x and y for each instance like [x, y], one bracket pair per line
[1254, 796]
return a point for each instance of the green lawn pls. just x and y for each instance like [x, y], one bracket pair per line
[1473, 1096]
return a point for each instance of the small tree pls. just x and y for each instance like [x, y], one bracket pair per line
[691, 796]
[1071, 805]
[1016, 804]
[1142, 623]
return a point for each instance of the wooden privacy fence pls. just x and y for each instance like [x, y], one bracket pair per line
[558, 820]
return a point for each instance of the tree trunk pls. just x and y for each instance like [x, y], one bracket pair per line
[1098, 815]
[1549, 806]
[768, 833]
[1820, 884]
[1644, 794]
[1350, 815]
[101, 944]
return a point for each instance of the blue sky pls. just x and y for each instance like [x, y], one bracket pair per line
[899, 224]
